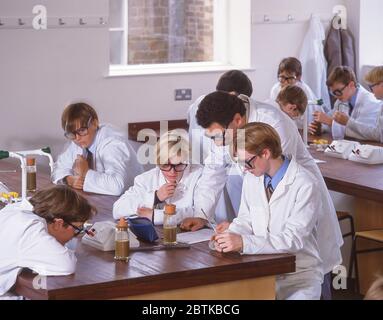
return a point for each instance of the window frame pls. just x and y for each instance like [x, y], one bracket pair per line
[229, 19]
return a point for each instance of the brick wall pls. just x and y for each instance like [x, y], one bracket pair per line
[153, 38]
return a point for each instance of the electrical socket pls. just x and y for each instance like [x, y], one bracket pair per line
[182, 94]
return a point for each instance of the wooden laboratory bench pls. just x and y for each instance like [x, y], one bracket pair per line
[193, 273]
[365, 183]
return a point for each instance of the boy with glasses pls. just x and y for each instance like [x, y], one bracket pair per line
[278, 212]
[370, 131]
[174, 180]
[35, 237]
[99, 158]
[353, 103]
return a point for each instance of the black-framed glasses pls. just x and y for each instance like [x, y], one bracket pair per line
[338, 92]
[180, 167]
[372, 86]
[248, 162]
[83, 131]
[286, 79]
[79, 230]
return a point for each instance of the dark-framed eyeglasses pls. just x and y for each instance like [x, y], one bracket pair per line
[338, 92]
[372, 86]
[79, 230]
[83, 131]
[286, 79]
[248, 162]
[180, 167]
[218, 138]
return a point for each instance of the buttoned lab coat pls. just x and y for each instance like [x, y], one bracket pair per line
[286, 224]
[366, 110]
[115, 161]
[215, 175]
[26, 243]
[186, 198]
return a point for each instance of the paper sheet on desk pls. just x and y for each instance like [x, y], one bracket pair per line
[195, 236]
[319, 161]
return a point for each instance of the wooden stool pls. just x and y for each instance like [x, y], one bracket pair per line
[372, 235]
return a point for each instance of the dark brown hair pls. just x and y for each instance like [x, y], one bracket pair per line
[77, 112]
[61, 202]
[293, 95]
[237, 81]
[290, 65]
[342, 75]
[220, 107]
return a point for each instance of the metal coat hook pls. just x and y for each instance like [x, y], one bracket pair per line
[102, 21]
[1, 24]
[290, 18]
[82, 22]
[21, 23]
[266, 18]
[61, 22]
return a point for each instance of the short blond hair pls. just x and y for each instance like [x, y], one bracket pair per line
[172, 143]
[293, 94]
[376, 290]
[374, 76]
[257, 136]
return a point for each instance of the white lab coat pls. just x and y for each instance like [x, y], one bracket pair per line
[215, 174]
[26, 243]
[365, 120]
[115, 163]
[141, 194]
[366, 131]
[286, 224]
[314, 64]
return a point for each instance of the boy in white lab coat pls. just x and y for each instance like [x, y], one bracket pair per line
[292, 101]
[35, 237]
[99, 158]
[353, 102]
[278, 212]
[368, 131]
[174, 180]
[221, 115]
[290, 73]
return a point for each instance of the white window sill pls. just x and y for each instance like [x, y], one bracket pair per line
[171, 68]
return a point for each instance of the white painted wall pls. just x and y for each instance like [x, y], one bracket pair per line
[41, 71]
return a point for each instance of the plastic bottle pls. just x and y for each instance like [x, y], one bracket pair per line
[170, 224]
[122, 241]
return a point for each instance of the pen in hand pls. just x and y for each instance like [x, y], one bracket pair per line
[210, 224]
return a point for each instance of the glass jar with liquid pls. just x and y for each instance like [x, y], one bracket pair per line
[122, 241]
[170, 224]
[31, 174]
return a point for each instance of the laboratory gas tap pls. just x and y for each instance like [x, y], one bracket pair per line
[22, 155]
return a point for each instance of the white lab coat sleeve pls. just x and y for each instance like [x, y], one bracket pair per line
[338, 131]
[139, 195]
[43, 254]
[242, 224]
[364, 131]
[298, 227]
[289, 145]
[63, 166]
[116, 158]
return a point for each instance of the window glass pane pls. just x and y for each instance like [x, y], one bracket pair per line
[116, 13]
[170, 31]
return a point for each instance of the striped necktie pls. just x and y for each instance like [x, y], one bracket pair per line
[269, 191]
